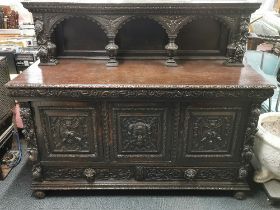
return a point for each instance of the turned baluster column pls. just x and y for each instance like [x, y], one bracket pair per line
[112, 50]
[111, 25]
[171, 49]
[172, 25]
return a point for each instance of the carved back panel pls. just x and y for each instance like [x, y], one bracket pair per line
[80, 37]
[231, 43]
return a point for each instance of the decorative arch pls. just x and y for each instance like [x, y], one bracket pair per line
[130, 18]
[135, 27]
[54, 21]
[228, 22]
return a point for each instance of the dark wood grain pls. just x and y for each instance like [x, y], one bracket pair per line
[136, 74]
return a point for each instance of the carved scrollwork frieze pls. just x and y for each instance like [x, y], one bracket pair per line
[140, 173]
[90, 174]
[231, 92]
[189, 174]
[139, 8]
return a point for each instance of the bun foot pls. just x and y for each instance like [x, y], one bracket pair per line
[239, 195]
[39, 194]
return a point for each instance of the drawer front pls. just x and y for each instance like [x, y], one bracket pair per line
[141, 131]
[211, 134]
[140, 173]
[68, 131]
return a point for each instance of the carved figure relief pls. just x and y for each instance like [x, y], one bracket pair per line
[236, 49]
[69, 133]
[139, 134]
[211, 133]
[47, 49]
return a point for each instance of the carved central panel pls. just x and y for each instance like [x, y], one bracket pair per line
[69, 133]
[211, 132]
[140, 132]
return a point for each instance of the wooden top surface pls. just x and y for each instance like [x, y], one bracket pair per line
[76, 73]
[144, 1]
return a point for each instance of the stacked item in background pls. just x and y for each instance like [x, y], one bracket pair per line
[6, 124]
[8, 18]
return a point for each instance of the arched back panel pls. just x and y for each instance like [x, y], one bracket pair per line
[203, 37]
[141, 36]
[78, 36]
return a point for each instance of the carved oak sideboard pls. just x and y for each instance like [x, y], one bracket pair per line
[154, 29]
[141, 125]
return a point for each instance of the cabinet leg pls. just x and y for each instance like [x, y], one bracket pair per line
[39, 194]
[240, 195]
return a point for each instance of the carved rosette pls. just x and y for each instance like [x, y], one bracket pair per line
[90, 174]
[29, 131]
[236, 49]
[190, 173]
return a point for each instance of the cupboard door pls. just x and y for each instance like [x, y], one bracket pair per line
[211, 134]
[141, 132]
[68, 131]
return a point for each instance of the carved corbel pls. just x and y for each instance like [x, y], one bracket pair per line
[172, 25]
[29, 131]
[237, 48]
[251, 130]
[46, 48]
[111, 24]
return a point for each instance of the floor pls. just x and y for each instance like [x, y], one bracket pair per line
[15, 194]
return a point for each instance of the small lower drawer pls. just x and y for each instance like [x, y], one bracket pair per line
[140, 173]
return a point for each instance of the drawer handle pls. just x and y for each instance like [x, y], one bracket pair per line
[90, 174]
[190, 173]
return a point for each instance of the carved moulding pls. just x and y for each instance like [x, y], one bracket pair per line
[258, 94]
[140, 8]
[90, 174]
[189, 174]
[140, 173]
